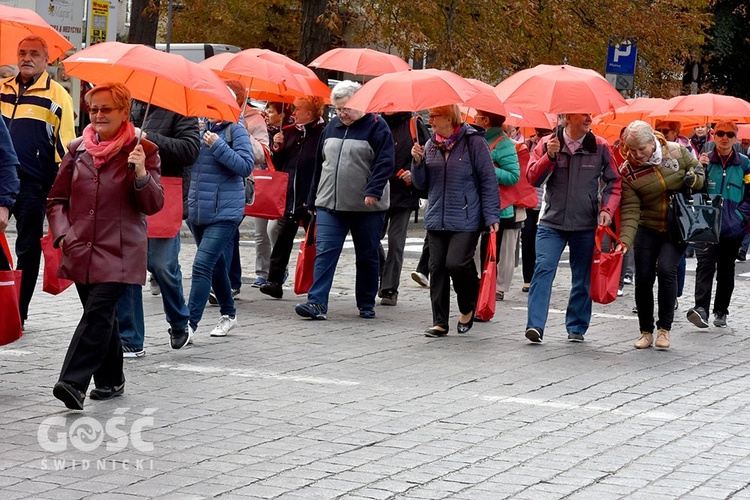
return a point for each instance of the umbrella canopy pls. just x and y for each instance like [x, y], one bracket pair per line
[259, 75]
[485, 99]
[16, 24]
[412, 90]
[167, 80]
[636, 109]
[360, 61]
[743, 132]
[289, 63]
[705, 108]
[559, 89]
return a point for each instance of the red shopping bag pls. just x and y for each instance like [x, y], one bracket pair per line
[52, 260]
[303, 273]
[486, 299]
[605, 268]
[10, 289]
[269, 200]
[166, 223]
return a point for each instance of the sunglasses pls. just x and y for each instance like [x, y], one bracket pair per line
[664, 131]
[721, 133]
[103, 110]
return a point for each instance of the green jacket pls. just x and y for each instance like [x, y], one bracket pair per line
[505, 158]
[646, 189]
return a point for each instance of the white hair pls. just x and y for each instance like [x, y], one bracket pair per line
[344, 89]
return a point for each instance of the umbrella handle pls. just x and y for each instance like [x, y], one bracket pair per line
[143, 122]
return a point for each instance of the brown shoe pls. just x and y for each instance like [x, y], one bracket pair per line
[645, 341]
[662, 339]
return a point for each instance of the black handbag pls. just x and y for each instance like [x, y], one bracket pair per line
[695, 217]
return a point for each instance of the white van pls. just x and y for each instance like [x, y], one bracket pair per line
[197, 52]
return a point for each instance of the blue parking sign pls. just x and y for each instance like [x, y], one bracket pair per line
[621, 57]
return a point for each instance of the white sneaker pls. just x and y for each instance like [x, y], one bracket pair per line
[226, 323]
[154, 285]
[421, 279]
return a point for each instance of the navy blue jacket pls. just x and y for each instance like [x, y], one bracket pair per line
[9, 184]
[462, 191]
[217, 188]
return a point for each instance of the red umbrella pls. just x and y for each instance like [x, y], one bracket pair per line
[636, 109]
[705, 108]
[277, 58]
[412, 90]
[16, 24]
[258, 75]
[559, 89]
[360, 61]
[166, 80]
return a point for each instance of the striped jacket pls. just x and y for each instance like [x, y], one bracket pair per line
[40, 123]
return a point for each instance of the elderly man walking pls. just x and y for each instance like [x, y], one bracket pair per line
[582, 189]
[39, 115]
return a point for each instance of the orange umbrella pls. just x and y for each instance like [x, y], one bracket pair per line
[16, 24]
[412, 90]
[559, 89]
[360, 61]
[257, 74]
[705, 108]
[485, 99]
[743, 132]
[636, 109]
[277, 58]
[166, 80]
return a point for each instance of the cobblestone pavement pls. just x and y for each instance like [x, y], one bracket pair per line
[371, 409]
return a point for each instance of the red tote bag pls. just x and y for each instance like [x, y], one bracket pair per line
[486, 300]
[167, 222]
[52, 260]
[303, 273]
[10, 289]
[605, 268]
[269, 201]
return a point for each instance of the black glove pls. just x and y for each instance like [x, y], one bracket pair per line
[689, 179]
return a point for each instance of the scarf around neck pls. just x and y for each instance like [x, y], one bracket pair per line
[445, 144]
[103, 151]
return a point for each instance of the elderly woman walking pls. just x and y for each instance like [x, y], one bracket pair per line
[653, 169]
[97, 213]
[456, 169]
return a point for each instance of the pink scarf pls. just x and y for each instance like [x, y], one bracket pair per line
[102, 151]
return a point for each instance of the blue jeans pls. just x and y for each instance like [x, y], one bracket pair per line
[232, 259]
[210, 269]
[550, 244]
[164, 264]
[332, 229]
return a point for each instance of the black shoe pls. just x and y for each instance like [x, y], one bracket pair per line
[212, 300]
[535, 335]
[272, 289]
[390, 298]
[575, 337]
[180, 337]
[742, 256]
[68, 394]
[698, 316]
[103, 393]
[720, 320]
[465, 327]
[366, 312]
[435, 332]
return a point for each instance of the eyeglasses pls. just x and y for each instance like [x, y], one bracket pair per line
[343, 111]
[721, 133]
[432, 117]
[476, 117]
[664, 131]
[103, 110]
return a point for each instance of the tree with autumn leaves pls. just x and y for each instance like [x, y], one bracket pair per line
[484, 39]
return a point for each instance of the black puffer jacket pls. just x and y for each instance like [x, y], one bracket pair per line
[297, 158]
[178, 139]
[403, 196]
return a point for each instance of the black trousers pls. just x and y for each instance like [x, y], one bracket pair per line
[452, 257]
[656, 256]
[29, 211]
[95, 349]
[282, 250]
[719, 259]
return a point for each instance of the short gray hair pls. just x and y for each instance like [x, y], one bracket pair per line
[640, 132]
[344, 90]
